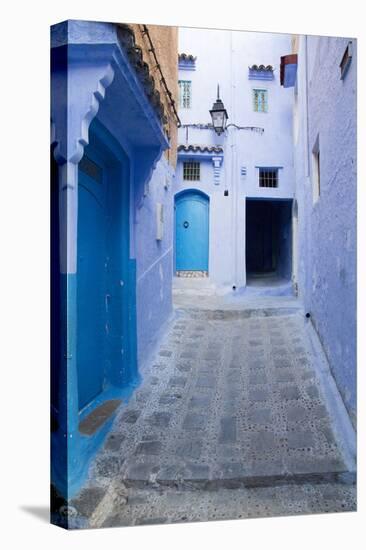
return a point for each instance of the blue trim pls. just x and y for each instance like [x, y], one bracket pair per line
[260, 75]
[190, 155]
[290, 75]
[187, 65]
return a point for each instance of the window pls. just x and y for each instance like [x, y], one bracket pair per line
[191, 171]
[316, 171]
[260, 101]
[268, 177]
[185, 94]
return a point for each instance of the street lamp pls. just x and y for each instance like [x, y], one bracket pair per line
[218, 114]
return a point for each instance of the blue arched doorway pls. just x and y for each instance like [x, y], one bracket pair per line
[191, 231]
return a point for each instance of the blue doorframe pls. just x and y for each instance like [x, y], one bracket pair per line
[191, 230]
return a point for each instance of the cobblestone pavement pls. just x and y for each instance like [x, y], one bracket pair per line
[230, 405]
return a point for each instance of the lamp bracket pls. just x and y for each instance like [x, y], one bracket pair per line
[210, 126]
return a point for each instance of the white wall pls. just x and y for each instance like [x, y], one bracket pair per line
[224, 57]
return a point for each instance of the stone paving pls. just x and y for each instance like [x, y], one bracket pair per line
[231, 403]
[175, 506]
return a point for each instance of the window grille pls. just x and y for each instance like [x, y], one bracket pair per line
[260, 101]
[268, 177]
[185, 94]
[191, 171]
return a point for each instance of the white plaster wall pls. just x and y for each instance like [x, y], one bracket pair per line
[219, 221]
[224, 57]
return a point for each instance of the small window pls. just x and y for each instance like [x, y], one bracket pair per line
[268, 177]
[316, 171]
[191, 171]
[260, 101]
[185, 94]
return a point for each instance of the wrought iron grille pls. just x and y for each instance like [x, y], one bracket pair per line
[185, 94]
[191, 171]
[260, 101]
[268, 177]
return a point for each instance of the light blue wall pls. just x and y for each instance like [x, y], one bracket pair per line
[327, 228]
[154, 258]
[224, 57]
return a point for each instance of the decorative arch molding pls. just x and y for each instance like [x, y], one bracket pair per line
[78, 85]
[86, 59]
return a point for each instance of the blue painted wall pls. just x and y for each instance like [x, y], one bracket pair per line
[327, 226]
[111, 224]
[154, 258]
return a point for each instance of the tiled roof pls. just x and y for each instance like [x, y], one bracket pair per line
[261, 68]
[186, 57]
[127, 40]
[200, 148]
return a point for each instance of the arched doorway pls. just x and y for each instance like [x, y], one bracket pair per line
[191, 231]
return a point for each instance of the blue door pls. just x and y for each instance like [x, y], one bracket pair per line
[91, 269]
[191, 222]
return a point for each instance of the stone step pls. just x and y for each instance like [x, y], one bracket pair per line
[237, 314]
[232, 478]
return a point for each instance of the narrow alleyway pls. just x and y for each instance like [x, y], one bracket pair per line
[232, 402]
[240, 400]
